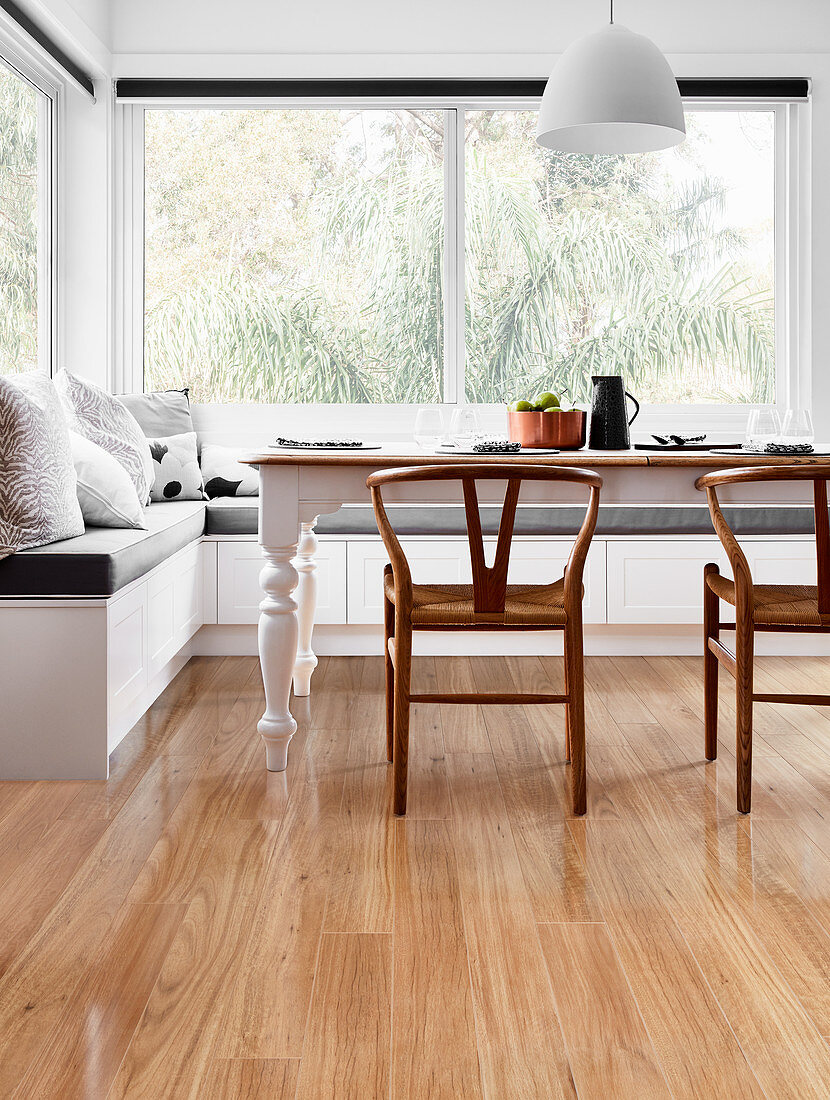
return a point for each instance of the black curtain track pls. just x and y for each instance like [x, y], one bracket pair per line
[48, 44]
[789, 88]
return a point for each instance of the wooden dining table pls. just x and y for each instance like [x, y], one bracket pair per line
[298, 486]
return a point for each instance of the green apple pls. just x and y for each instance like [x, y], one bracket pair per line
[546, 400]
[521, 407]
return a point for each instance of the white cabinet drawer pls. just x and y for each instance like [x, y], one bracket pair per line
[127, 648]
[175, 605]
[447, 561]
[239, 593]
[792, 562]
[661, 581]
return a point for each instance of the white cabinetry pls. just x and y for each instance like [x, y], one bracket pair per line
[77, 674]
[447, 561]
[175, 599]
[127, 648]
[661, 580]
[239, 593]
[148, 626]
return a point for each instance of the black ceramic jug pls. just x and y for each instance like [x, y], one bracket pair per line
[609, 415]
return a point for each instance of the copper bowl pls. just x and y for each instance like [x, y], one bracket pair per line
[564, 430]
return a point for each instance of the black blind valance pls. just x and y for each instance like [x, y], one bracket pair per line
[48, 44]
[784, 88]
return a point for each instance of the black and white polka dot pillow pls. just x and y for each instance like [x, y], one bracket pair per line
[224, 476]
[176, 468]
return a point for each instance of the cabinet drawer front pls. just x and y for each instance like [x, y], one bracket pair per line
[782, 563]
[447, 561]
[175, 602]
[662, 581]
[127, 648]
[239, 593]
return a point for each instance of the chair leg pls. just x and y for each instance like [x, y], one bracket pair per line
[744, 658]
[567, 708]
[403, 670]
[576, 709]
[711, 629]
[389, 632]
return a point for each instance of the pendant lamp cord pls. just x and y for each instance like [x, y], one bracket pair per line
[612, 11]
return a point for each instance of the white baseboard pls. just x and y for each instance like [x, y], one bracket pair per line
[600, 640]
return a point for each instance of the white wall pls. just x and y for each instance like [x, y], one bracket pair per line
[460, 26]
[84, 235]
[81, 27]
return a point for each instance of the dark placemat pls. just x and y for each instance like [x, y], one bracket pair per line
[686, 446]
[770, 454]
[320, 445]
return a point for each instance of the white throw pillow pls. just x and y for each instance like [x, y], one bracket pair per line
[106, 494]
[38, 502]
[176, 468]
[103, 419]
[224, 476]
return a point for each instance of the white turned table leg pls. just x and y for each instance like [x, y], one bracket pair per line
[277, 649]
[279, 525]
[306, 661]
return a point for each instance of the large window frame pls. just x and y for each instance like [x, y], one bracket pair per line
[791, 274]
[35, 71]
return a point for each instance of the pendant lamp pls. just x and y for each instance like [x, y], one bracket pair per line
[611, 92]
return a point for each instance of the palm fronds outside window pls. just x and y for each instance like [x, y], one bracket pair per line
[298, 255]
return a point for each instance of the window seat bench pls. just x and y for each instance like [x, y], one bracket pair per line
[94, 628]
[103, 560]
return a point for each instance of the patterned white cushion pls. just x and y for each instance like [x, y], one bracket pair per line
[224, 476]
[103, 419]
[105, 492]
[38, 501]
[176, 468]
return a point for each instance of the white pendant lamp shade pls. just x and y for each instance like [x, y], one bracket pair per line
[611, 92]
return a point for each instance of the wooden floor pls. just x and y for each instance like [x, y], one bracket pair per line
[197, 927]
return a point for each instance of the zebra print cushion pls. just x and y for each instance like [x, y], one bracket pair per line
[103, 419]
[38, 498]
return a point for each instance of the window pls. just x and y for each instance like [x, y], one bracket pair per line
[295, 255]
[659, 266]
[379, 256]
[25, 159]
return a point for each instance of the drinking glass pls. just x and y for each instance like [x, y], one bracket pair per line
[429, 428]
[762, 427]
[798, 427]
[464, 426]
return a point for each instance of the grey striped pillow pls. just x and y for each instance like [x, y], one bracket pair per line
[38, 496]
[103, 419]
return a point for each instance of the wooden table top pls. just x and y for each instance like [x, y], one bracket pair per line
[401, 454]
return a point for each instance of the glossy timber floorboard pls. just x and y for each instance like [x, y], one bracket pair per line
[197, 927]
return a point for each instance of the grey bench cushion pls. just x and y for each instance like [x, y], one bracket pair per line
[232, 516]
[237, 516]
[104, 559]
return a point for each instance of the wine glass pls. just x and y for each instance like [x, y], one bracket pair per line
[429, 428]
[464, 426]
[798, 427]
[762, 427]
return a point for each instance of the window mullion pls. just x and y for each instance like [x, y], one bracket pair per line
[454, 389]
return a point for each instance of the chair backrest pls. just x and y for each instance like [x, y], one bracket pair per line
[818, 473]
[489, 582]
